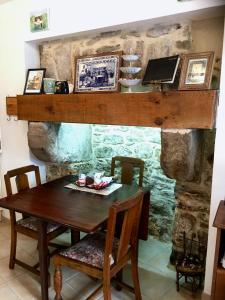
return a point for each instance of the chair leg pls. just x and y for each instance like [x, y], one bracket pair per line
[75, 236]
[106, 288]
[13, 248]
[134, 269]
[58, 283]
[200, 281]
[177, 281]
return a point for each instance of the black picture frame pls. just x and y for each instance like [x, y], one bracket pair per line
[34, 81]
[161, 70]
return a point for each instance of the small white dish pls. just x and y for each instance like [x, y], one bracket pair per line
[130, 57]
[129, 82]
[130, 70]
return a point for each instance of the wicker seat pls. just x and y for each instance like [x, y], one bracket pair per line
[191, 265]
[27, 225]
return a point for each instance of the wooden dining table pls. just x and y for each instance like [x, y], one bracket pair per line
[52, 202]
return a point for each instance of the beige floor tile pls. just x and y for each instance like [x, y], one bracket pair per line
[7, 294]
[4, 251]
[8, 274]
[2, 279]
[183, 294]
[83, 285]
[26, 287]
[153, 285]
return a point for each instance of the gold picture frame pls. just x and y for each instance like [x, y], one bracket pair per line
[196, 71]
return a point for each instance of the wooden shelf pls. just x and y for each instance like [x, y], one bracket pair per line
[173, 109]
[11, 106]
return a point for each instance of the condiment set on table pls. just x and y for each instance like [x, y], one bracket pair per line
[97, 182]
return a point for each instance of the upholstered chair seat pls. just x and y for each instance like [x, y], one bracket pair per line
[32, 224]
[90, 250]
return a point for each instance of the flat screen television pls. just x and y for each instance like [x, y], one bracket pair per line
[161, 70]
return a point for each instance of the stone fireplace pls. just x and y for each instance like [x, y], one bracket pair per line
[178, 163]
[178, 167]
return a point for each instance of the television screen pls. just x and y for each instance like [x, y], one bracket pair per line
[161, 70]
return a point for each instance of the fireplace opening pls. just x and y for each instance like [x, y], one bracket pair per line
[178, 170]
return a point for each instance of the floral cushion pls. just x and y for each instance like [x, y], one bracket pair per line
[32, 224]
[90, 250]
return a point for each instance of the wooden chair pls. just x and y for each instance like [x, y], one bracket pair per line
[101, 255]
[127, 165]
[27, 225]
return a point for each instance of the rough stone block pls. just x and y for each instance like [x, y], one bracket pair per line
[180, 157]
[159, 30]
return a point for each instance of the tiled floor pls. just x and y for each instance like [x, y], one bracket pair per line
[156, 278]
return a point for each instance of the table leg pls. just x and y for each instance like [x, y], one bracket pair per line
[43, 258]
[75, 236]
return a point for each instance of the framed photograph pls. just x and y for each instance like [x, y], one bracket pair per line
[196, 71]
[97, 73]
[34, 81]
[39, 20]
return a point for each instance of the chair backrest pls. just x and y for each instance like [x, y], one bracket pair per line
[131, 209]
[127, 165]
[21, 178]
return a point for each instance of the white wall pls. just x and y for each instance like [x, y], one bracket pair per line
[218, 183]
[69, 17]
[72, 16]
[15, 151]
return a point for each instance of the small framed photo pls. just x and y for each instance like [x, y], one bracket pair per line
[39, 20]
[196, 71]
[97, 73]
[34, 81]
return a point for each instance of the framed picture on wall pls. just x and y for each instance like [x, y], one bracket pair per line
[196, 71]
[97, 73]
[39, 20]
[34, 81]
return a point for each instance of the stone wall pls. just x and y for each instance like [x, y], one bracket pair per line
[187, 156]
[149, 42]
[144, 143]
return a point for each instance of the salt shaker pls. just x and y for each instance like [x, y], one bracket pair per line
[82, 180]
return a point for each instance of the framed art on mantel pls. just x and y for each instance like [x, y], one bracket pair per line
[34, 81]
[97, 73]
[196, 71]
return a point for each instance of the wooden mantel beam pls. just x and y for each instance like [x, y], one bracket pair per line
[173, 109]
[11, 106]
